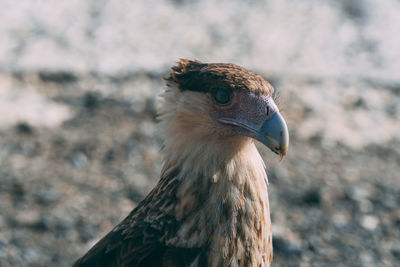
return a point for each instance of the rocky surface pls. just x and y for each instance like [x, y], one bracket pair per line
[79, 146]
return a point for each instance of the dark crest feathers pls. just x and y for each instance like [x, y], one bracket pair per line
[186, 75]
[193, 75]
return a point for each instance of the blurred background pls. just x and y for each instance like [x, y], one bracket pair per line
[79, 89]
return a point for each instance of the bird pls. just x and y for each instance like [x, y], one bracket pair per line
[210, 206]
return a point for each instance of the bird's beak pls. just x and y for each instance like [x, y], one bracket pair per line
[274, 134]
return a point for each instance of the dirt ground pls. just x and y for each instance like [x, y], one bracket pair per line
[64, 187]
[79, 90]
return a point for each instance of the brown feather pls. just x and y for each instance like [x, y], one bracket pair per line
[210, 207]
[202, 77]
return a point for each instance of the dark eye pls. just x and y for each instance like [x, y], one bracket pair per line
[222, 96]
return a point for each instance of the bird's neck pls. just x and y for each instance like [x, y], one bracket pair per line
[221, 197]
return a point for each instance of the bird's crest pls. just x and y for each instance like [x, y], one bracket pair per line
[193, 75]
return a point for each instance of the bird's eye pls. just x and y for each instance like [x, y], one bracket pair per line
[222, 96]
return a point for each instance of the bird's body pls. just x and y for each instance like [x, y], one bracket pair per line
[210, 207]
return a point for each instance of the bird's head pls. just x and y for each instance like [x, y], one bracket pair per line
[225, 102]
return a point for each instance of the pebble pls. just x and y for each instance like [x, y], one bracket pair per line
[285, 247]
[369, 222]
[47, 197]
[395, 250]
[30, 255]
[91, 101]
[312, 197]
[28, 217]
[24, 128]
[3, 248]
[341, 219]
[78, 160]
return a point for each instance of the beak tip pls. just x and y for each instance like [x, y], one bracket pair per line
[275, 135]
[282, 153]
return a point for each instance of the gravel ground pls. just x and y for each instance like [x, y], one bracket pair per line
[79, 147]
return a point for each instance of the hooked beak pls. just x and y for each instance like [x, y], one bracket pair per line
[275, 135]
[273, 132]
